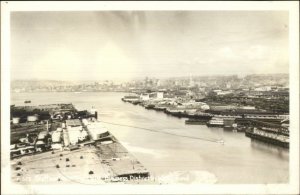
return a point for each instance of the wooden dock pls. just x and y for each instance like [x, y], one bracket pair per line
[121, 162]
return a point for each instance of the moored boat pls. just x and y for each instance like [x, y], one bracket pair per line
[196, 121]
[215, 122]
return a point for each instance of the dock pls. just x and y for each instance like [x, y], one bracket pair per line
[268, 132]
[122, 163]
[70, 149]
[275, 140]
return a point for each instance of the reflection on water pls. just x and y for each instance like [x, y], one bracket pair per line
[278, 151]
[238, 160]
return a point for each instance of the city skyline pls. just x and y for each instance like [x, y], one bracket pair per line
[122, 45]
[142, 78]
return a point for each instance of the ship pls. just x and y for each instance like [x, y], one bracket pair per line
[215, 122]
[27, 101]
[131, 98]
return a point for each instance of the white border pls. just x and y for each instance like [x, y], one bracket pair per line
[291, 188]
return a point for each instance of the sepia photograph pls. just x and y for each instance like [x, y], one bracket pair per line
[190, 98]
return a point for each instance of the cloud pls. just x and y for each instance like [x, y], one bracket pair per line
[256, 52]
[96, 45]
[227, 52]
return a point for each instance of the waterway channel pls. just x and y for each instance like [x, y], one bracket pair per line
[175, 148]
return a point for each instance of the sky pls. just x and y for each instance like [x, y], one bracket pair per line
[97, 45]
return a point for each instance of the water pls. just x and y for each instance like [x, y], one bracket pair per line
[239, 160]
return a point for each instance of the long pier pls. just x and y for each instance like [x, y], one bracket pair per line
[269, 133]
[266, 139]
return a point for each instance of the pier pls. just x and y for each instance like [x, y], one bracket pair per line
[268, 132]
[268, 125]
[66, 141]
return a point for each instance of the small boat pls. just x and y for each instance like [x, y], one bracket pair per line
[27, 101]
[221, 141]
[241, 128]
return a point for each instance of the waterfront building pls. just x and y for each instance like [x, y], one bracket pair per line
[56, 136]
[15, 120]
[76, 134]
[145, 96]
[43, 135]
[160, 95]
[56, 146]
[96, 130]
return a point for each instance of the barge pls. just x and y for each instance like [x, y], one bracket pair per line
[196, 121]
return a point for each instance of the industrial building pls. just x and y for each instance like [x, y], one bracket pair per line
[96, 130]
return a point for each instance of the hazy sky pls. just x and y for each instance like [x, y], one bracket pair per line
[110, 45]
